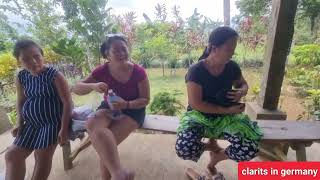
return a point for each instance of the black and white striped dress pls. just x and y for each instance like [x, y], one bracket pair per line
[42, 110]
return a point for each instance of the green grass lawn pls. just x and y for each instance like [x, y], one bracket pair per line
[174, 82]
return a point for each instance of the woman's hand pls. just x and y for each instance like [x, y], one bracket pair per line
[236, 109]
[235, 95]
[100, 87]
[15, 132]
[119, 104]
[63, 136]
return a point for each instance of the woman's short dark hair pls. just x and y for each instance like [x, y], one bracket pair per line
[110, 38]
[23, 44]
[217, 38]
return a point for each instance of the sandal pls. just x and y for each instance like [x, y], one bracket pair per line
[214, 174]
[218, 176]
[194, 175]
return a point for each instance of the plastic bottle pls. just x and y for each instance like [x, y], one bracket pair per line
[116, 114]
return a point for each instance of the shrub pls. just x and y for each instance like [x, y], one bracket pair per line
[166, 103]
[308, 54]
[50, 56]
[8, 65]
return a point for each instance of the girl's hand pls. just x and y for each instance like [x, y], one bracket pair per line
[100, 87]
[119, 104]
[236, 109]
[15, 132]
[63, 137]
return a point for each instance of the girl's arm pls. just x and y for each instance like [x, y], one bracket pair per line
[87, 85]
[21, 98]
[144, 96]
[195, 101]
[63, 91]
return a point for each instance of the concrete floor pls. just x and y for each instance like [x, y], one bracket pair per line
[151, 156]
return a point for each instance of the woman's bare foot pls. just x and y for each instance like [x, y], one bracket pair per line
[212, 164]
[215, 157]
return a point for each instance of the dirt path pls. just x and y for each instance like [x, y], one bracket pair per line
[291, 104]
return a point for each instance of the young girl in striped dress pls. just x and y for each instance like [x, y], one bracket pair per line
[43, 113]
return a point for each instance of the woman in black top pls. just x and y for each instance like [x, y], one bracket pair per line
[214, 110]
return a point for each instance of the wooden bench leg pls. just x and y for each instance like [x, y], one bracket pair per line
[285, 148]
[84, 144]
[300, 149]
[66, 151]
[301, 153]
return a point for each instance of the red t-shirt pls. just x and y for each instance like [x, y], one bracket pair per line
[127, 91]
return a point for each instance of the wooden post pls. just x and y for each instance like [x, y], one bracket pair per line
[279, 39]
[226, 12]
[280, 33]
[66, 151]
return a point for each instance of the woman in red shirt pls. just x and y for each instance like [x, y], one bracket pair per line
[130, 82]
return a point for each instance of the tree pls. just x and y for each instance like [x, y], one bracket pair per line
[194, 21]
[307, 9]
[43, 21]
[72, 52]
[90, 20]
[253, 31]
[7, 33]
[161, 12]
[126, 25]
[161, 49]
[169, 41]
[311, 10]
[198, 29]
[255, 8]
[153, 44]
[154, 39]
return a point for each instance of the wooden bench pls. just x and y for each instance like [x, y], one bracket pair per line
[296, 134]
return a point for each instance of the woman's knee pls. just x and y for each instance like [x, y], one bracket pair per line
[13, 155]
[10, 156]
[100, 120]
[90, 124]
